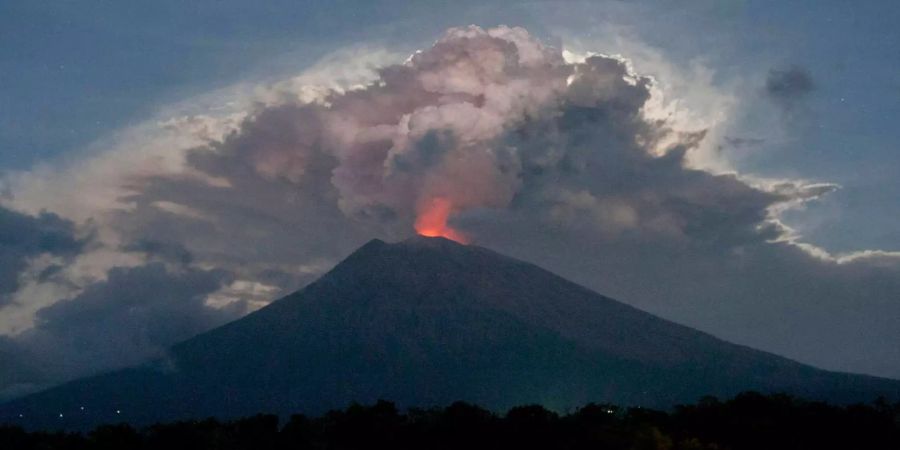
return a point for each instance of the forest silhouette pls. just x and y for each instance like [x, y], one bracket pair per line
[748, 421]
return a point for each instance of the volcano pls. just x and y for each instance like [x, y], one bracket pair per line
[429, 321]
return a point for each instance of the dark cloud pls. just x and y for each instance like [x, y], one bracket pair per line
[132, 316]
[789, 85]
[23, 237]
[742, 142]
[163, 250]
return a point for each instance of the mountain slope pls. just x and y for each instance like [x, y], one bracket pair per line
[428, 321]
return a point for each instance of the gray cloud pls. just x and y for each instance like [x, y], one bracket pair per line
[787, 86]
[173, 252]
[23, 237]
[130, 317]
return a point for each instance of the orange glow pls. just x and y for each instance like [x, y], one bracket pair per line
[432, 221]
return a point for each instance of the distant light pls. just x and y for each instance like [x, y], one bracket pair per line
[20, 416]
[82, 408]
[60, 414]
[118, 411]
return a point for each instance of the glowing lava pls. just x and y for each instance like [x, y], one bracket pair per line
[432, 221]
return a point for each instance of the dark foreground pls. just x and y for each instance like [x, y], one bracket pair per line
[749, 421]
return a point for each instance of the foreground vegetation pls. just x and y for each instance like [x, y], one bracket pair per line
[749, 421]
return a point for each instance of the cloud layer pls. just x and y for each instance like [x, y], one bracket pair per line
[488, 134]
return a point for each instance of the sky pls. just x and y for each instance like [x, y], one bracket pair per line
[170, 166]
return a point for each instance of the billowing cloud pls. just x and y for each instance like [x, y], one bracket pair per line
[488, 136]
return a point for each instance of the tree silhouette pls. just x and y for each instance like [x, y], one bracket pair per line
[748, 421]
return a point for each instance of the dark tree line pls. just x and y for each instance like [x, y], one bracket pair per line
[749, 421]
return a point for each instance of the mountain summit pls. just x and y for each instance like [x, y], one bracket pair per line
[429, 321]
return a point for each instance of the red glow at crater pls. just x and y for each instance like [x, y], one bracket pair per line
[432, 221]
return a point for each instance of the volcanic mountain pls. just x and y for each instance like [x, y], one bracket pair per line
[428, 321]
